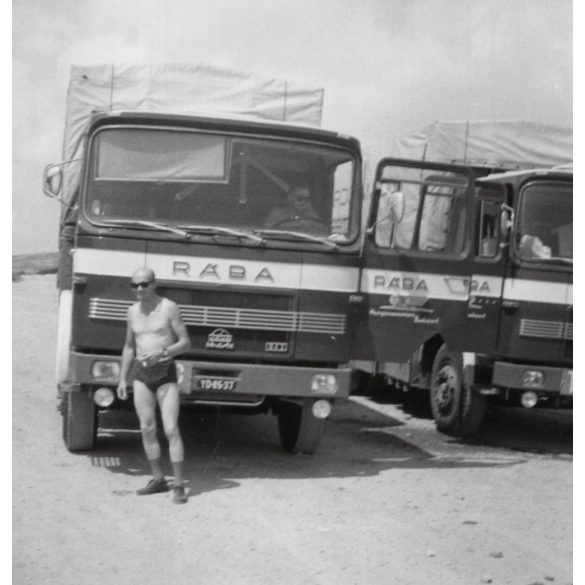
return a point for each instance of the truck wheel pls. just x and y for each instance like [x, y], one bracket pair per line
[457, 409]
[80, 420]
[300, 431]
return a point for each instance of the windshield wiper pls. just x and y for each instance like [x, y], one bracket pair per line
[224, 231]
[301, 235]
[150, 224]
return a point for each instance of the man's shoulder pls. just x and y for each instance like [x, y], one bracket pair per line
[168, 305]
[133, 308]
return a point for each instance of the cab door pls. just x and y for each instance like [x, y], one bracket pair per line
[536, 323]
[417, 259]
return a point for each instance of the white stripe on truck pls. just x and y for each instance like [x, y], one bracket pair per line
[459, 287]
[252, 273]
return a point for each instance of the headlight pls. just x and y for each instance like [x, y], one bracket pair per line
[105, 371]
[324, 384]
[103, 397]
[321, 409]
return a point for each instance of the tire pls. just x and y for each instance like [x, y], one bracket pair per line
[457, 409]
[80, 420]
[300, 431]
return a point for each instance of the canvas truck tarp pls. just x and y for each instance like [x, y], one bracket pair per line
[495, 145]
[501, 144]
[183, 88]
[505, 144]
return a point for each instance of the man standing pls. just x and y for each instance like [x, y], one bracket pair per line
[155, 334]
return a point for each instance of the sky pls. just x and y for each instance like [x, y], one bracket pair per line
[388, 67]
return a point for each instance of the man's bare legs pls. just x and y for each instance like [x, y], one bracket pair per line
[145, 405]
[168, 399]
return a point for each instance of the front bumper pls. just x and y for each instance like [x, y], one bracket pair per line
[554, 380]
[250, 380]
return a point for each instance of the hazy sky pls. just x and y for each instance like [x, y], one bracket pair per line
[387, 66]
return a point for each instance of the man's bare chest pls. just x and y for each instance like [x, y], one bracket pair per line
[154, 323]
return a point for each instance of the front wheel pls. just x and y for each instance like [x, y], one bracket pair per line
[300, 431]
[457, 409]
[80, 420]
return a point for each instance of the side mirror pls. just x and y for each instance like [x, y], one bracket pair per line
[506, 223]
[52, 181]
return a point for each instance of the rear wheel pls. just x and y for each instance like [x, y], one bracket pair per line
[457, 409]
[300, 431]
[80, 420]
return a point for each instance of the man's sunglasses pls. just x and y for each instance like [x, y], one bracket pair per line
[303, 197]
[141, 284]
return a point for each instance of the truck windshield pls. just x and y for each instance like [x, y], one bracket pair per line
[545, 223]
[183, 178]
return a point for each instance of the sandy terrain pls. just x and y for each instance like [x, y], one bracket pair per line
[386, 499]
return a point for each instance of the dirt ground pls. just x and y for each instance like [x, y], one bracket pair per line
[385, 500]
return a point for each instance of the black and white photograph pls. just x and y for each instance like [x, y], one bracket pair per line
[292, 292]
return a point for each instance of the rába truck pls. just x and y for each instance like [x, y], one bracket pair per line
[467, 276]
[265, 287]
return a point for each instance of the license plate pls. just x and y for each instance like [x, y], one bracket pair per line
[215, 383]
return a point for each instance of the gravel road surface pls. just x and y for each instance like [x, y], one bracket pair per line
[386, 499]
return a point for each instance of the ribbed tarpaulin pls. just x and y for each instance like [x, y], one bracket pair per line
[184, 88]
[505, 144]
[510, 144]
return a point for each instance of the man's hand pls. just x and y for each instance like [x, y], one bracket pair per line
[150, 358]
[122, 391]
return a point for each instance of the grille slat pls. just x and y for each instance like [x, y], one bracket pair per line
[546, 329]
[229, 317]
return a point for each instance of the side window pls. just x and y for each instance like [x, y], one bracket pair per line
[342, 181]
[421, 210]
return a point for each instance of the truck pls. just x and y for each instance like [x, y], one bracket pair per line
[467, 270]
[152, 177]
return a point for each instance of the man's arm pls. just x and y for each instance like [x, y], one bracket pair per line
[183, 342]
[128, 353]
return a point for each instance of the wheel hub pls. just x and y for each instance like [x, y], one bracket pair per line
[447, 386]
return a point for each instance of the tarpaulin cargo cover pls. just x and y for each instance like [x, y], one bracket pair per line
[184, 88]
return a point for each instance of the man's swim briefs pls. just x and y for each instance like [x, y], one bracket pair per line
[155, 376]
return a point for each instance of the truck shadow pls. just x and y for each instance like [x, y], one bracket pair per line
[539, 430]
[222, 449]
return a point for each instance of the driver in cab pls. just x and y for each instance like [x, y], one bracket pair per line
[298, 213]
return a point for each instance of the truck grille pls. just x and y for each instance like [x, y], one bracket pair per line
[546, 329]
[229, 317]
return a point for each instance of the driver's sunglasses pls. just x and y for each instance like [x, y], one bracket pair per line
[144, 284]
[301, 198]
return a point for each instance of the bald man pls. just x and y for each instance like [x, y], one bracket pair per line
[155, 334]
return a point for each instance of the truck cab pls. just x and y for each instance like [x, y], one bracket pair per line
[468, 287]
[252, 228]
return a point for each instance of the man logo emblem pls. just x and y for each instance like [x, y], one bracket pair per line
[220, 339]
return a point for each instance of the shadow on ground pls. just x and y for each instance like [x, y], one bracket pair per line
[221, 449]
[539, 430]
